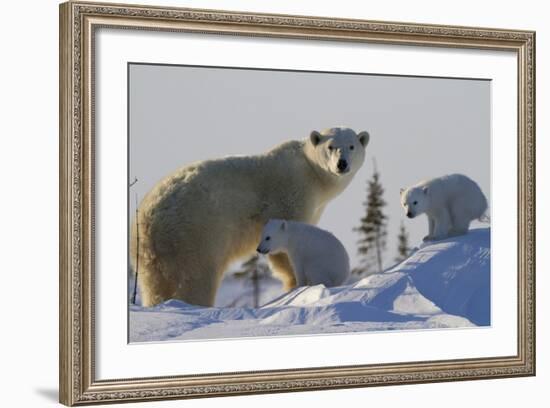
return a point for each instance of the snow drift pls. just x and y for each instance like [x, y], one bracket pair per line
[442, 284]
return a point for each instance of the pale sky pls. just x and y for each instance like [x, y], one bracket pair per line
[420, 128]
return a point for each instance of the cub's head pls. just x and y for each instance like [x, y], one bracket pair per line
[274, 237]
[415, 200]
[339, 151]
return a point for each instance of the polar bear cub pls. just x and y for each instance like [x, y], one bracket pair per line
[317, 256]
[451, 202]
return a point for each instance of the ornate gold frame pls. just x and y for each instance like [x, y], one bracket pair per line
[78, 21]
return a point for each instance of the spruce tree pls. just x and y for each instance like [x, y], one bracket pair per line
[402, 244]
[254, 271]
[372, 230]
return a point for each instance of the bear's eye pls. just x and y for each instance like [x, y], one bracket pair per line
[267, 238]
[352, 147]
[415, 202]
[331, 147]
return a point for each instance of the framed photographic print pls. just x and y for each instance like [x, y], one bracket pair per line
[259, 203]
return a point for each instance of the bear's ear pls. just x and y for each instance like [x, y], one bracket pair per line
[283, 225]
[425, 190]
[315, 138]
[401, 190]
[364, 138]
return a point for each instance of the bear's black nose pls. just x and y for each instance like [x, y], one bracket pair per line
[409, 214]
[342, 165]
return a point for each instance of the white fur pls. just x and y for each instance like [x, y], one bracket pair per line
[451, 203]
[198, 220]
[317, 256]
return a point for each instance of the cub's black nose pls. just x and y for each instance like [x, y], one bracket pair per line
[342, 165]
[409, 214]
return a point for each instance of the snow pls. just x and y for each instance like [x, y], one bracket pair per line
[444, 284]
[238, 292]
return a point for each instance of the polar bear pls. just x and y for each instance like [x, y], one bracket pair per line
[317, 256]
[451, 202]
[198, 220]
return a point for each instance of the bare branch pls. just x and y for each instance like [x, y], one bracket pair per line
[137, 251]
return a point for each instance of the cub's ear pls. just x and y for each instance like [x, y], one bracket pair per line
[315, 138]
[364, 138]
[401, 190]
[425, 190]
[283, 225]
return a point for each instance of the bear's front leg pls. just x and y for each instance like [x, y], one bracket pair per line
[442, 225]
[301, 277]
[282, 269]
[431, 224]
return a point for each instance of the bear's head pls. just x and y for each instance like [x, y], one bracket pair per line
[274, 237]
[415, 200]
[339, 151]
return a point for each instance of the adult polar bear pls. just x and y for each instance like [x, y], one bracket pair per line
[198, 220]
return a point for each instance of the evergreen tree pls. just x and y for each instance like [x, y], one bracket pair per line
[402, 244]
[255, 271]
[372, 230]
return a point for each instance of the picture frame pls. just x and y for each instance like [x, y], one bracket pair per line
[79, 24]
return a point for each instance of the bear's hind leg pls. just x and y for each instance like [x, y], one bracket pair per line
[282, 270]
[460, 223]
[152, 284]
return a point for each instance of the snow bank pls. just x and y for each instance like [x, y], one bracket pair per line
[455, 274]
[441, 285]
